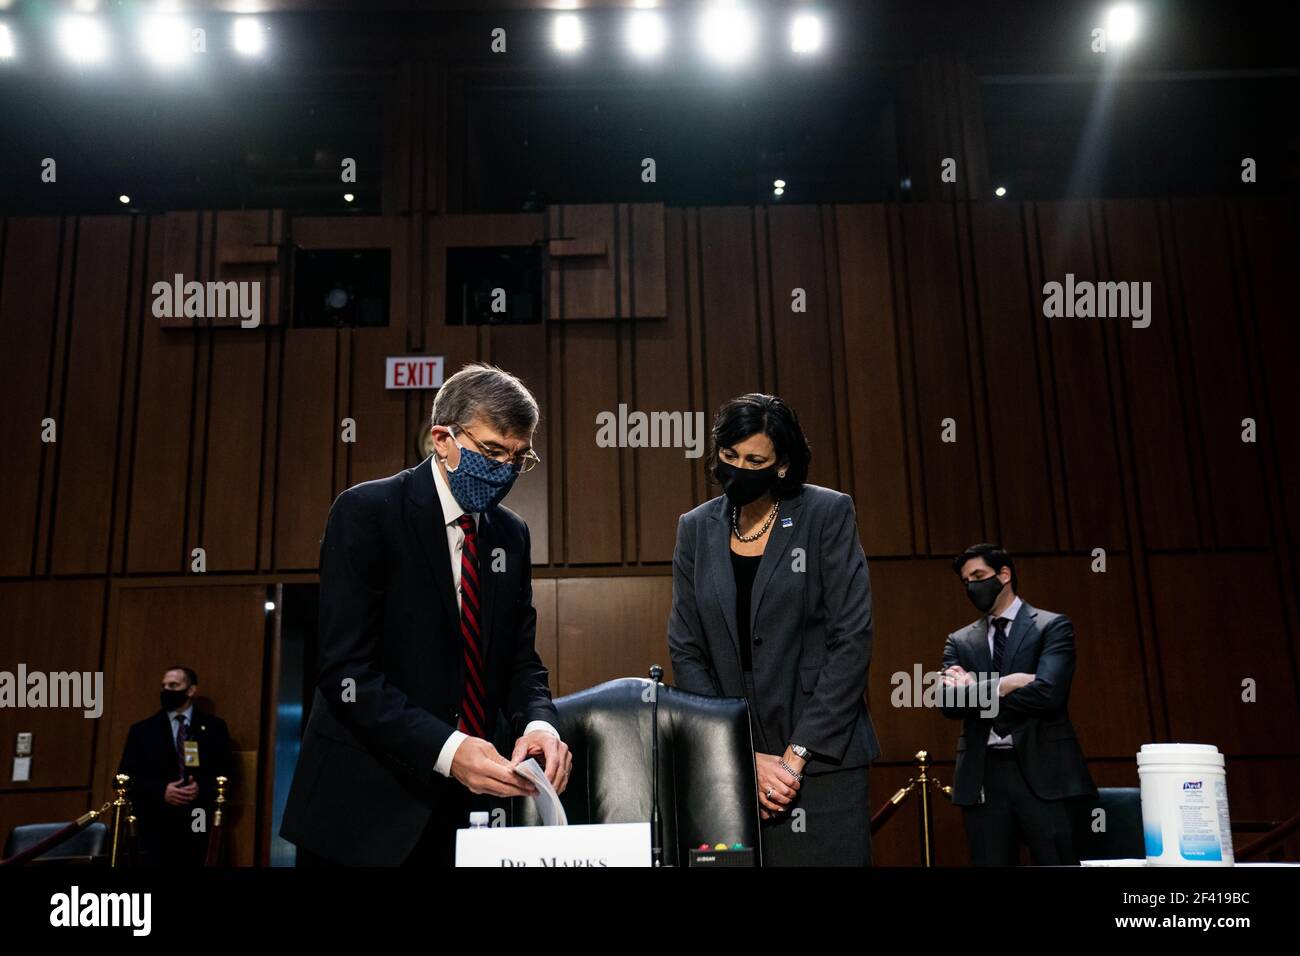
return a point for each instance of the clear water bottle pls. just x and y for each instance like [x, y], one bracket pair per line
[478, 820]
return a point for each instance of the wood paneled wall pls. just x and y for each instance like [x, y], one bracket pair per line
[1072, 435]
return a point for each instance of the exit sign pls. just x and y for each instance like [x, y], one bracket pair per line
[413, 371]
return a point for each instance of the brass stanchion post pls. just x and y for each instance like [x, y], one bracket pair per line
[221, 799]
[216, 832]
[921, 785]
[927, 824]
[120, 811]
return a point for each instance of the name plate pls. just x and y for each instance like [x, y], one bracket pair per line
[598, 844]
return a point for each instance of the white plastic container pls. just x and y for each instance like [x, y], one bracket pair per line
[1185, 805]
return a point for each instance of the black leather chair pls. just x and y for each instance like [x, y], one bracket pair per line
[89, 845]
[1122, 839]
[707, 788]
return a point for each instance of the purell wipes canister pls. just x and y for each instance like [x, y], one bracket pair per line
[1184, 805]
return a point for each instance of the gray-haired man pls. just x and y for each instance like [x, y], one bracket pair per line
[426, 637]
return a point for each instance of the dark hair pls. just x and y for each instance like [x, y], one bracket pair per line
[994, 556]
[750, 414]
[190, 675]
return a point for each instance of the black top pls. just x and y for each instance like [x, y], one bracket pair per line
[744, 566]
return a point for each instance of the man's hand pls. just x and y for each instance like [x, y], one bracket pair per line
[181, 794]
[1013, 682]
[772, 779]
[557, 761]
[482, 770]
[957, 676]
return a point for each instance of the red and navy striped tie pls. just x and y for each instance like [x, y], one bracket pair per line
[473, 719]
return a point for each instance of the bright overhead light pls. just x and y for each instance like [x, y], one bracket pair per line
[348, 197]
[83, 39]
[728, 33]
[269, 605]
[646, 34]
[165, 40]
[249, 36]
[1121, 23]
[778, 184]
[1000, 191]
[778, 191]
[6, 42]
[806, 33]
[568, 33]
[124, 199]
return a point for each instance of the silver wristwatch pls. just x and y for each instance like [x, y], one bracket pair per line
[800, 752]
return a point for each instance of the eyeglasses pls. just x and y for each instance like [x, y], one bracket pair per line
[521, 463]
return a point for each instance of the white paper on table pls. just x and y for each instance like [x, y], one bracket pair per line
[547, 800]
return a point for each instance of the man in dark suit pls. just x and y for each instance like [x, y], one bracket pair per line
[1020, 773]
[426, 637]
[173, 759]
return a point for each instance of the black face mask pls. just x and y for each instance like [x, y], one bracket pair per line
[984, 594]
[743, 485]
[173, 699]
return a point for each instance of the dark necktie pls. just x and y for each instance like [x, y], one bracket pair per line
[181, 737]
[472, 708]
[999, 641]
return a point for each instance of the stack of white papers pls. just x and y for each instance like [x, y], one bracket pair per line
[547, 800]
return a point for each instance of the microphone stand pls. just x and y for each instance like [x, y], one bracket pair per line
[656, 836]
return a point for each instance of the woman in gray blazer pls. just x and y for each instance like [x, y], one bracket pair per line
[772, 602]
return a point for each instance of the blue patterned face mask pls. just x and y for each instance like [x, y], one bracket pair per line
[478, 482]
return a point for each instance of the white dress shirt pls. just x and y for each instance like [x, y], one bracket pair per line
[997, 740]
[451, 512]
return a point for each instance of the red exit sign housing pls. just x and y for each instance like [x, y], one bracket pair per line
[413, 372]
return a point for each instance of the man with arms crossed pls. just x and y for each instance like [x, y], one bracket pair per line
[1018, 773]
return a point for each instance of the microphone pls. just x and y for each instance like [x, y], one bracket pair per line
[656, 836]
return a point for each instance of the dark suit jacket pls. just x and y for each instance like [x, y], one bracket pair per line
[149, 759]
[364, 786]
[1040, 643]
[810, 621]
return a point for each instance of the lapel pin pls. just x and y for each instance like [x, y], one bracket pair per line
[787, 522]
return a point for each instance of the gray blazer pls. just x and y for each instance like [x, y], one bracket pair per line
[810, 621]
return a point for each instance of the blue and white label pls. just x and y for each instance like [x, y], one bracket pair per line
[1198, 837]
